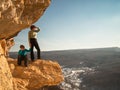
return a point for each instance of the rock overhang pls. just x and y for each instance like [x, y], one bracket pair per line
[16, 15]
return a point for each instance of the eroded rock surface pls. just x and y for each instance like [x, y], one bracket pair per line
[38, 74]
[16, 15]
[5, 74]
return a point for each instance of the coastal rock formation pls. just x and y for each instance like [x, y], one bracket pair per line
[38, 74]
[16, 15]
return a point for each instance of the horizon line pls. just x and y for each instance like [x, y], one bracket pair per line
[73, 49]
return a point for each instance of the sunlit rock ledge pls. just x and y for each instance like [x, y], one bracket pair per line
[16, 15]
[37, 75]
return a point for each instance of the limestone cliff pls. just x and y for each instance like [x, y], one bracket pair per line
[38, 74]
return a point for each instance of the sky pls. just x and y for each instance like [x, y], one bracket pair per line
[76, 24]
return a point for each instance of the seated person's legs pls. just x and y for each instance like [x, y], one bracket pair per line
[26, 60]
[19, 60]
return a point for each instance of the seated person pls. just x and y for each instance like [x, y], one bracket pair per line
[22, 55]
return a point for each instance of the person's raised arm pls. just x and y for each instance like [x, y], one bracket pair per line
[37, 29]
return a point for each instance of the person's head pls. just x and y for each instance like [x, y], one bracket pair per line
[33, 27]
[22, 47]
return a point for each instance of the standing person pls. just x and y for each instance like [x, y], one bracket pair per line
[32, 35]
[22, 55]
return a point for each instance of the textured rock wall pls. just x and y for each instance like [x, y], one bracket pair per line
[5, 74]
[16, 15]
[37, 75]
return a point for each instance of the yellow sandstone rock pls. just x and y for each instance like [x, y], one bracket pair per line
[38, 74]
[5, 74]
[16, 15]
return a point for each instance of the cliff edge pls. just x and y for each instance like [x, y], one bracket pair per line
[16, 15]
[38, 74]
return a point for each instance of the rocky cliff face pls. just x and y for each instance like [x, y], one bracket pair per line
[5, 74]
[16, 15]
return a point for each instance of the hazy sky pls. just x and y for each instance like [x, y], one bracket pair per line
[77, 24]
